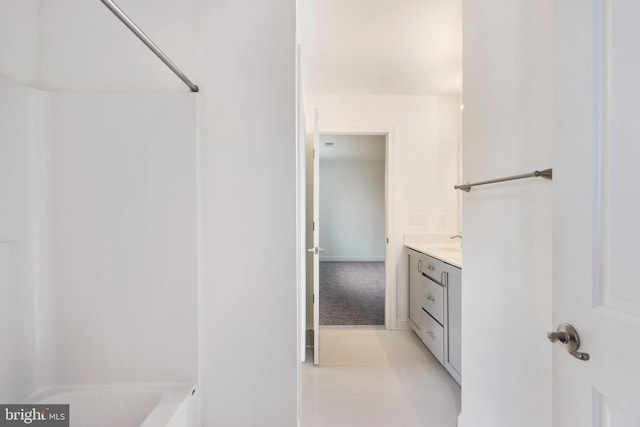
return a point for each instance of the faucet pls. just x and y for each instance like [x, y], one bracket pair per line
[453, 236]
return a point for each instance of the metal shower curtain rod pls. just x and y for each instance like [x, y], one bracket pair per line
[147, 41]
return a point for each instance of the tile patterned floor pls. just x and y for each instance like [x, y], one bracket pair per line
[376, 378]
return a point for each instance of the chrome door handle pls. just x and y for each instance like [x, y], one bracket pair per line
[568, 337]
[315, 250]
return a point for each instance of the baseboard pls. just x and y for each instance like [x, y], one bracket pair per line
[351, 258]
[351, 327]
[461, 422]
[402, 324]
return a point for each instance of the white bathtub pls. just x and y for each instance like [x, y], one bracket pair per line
[126, 405]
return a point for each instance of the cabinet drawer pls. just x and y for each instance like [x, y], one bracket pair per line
[432, 267]
[433, 337]
[434, 299]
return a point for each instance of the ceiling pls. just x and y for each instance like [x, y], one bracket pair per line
[401, 47]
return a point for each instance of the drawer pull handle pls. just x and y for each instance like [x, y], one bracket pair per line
[430, 334]
[430, 267]
[430, 298]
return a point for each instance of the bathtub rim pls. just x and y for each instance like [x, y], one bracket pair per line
[172, 396]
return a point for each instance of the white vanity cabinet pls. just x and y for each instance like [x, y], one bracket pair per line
[435, 308]
[453, 322]
[417, 294]
[426, 301]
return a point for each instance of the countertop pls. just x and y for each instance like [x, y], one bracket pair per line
[451, 254]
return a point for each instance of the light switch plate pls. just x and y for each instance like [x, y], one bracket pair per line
[416, 219]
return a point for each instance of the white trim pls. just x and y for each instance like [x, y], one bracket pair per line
[352, 258]
[389, 131]
[301, 206]
[600, 107]
[351, 327]
[402, 324]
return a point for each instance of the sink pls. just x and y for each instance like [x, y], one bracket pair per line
[451, 249]
[449, 253]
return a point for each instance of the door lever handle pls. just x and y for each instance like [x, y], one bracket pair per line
[568, 337]
[561, 336]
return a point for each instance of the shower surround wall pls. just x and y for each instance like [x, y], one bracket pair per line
[242, 55]
[18, 319]
[20, 41]
[124, 237]
[19, 61]
[98, 238]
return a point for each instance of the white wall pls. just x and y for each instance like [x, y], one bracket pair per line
[18, 334]
[426, 131]
[242, 55]
[97, 239]
[85, 47]
[123, 185]
[352, 207]
[506, 300]
[22, 335]
[20, 41]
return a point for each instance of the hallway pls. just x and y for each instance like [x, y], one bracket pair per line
[376, 378]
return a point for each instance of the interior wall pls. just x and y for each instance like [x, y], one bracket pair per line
[426, 131]
[352, 209]
[19, 331]
[97, 239]
[85, 47]
[506, 299]
[124, 199]
[242, 55]
[20, 41]
[23, 312]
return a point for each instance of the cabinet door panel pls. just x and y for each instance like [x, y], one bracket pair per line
[454, 323]
[417, 294]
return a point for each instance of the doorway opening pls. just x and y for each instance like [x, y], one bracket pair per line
[352, 217]
[384, 156]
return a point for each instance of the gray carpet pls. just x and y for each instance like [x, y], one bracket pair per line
[351, 293]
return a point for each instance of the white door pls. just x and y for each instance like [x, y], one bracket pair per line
[316, 249]
[596, 211]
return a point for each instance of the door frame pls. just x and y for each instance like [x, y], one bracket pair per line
[391, 248]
